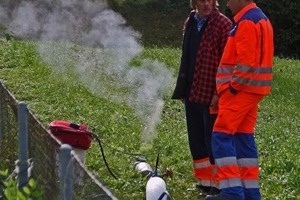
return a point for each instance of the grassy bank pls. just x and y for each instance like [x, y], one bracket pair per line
[61, 95]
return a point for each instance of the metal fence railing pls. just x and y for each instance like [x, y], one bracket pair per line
[45, 154]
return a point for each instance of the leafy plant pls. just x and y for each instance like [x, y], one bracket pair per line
[285, 22]
[10, 191]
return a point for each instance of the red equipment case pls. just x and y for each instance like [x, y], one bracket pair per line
[76, 135]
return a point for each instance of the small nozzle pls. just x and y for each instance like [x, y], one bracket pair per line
[143, 167]
[140, 159]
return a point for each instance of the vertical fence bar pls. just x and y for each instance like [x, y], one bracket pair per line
[66, 172]
[23, 145]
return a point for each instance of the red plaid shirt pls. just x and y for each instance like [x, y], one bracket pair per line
[208, 57]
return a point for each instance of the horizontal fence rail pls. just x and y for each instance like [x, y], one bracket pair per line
[47, 162]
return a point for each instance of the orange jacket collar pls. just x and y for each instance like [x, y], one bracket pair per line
[243, 11]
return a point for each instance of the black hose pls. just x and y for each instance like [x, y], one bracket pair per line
[103, 156]
[93, 135]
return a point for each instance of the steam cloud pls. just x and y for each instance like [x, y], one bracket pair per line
[96, 42]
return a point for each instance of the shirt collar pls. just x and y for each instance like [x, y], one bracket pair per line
[198, 17]
[200, 21]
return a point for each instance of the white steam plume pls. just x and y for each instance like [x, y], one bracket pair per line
[96, 42]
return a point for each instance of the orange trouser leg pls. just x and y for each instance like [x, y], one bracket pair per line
[234, 147]
[205, 172]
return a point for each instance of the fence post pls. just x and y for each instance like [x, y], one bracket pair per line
[66, 172]
[23, 145]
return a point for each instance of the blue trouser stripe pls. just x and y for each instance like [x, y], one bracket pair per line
[222, 145]
[245, 145]
[235, 192]
[252, 194]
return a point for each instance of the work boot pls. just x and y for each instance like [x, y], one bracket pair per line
[205, 189]
[219, 197]
[214, 191]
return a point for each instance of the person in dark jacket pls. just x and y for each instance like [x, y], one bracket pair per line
[205, 34]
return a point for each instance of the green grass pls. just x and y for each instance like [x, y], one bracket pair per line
[61, 95]
[278, 131]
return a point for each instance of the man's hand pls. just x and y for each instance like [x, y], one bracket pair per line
[214, 102]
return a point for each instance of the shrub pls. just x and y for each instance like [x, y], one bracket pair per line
[285, 18]
[9, 188]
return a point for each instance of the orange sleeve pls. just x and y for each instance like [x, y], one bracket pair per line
[246, 47]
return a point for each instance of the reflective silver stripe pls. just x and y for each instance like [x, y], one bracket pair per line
[243, 68]
[250, 184]
[252, 82]
[258, 70]
[233, 182]
[263, 70]
[248, 162]
[225, 70]
[205, 182]
[220, 162]
[222, 80]
[201, 165]
[210, 183]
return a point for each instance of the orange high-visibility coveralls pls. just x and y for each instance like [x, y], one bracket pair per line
[244, 77]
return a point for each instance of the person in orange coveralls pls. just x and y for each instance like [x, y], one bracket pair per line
[205, 34]
[244, 77]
